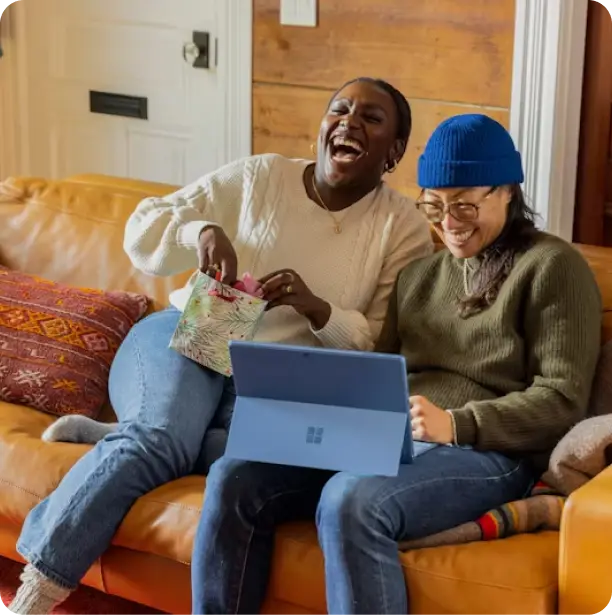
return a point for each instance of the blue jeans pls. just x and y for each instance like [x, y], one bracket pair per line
[359, 520]
[165, 404]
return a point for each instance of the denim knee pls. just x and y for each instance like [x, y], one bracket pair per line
[347, 507]
[241, 488]
[228, 482]
[162, 451]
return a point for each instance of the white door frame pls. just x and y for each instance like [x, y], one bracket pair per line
[236, 51]
[234, 60]
[549, 45]
[545, 106]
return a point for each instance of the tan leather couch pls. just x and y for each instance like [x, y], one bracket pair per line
[71, 231]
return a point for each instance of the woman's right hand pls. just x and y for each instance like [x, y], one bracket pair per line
[216, 253]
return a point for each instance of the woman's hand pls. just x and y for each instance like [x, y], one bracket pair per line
[430, 423]
[286, 287]
[216, 253]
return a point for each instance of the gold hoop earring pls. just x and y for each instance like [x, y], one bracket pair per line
[313, 149]
[389, 168]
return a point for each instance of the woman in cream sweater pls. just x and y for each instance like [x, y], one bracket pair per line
[327, 239]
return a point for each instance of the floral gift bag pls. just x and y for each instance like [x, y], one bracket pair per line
[215, 314]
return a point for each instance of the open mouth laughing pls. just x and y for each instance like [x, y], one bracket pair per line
[345, 150]
[458, 239]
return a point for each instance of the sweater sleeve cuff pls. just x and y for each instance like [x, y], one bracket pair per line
[188, 235]
[339, 330]
[464, 427]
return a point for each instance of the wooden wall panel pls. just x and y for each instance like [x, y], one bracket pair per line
[446, 56]
[286, 120]
[450, 50]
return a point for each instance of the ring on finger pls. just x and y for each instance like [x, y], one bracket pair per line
[288, 289]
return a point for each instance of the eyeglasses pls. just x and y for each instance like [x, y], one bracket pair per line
[460, 210]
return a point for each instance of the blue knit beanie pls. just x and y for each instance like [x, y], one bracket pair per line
[471, 150]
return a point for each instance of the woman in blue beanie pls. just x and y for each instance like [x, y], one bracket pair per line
[501, 337]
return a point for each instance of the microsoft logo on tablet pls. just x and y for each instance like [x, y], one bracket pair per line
[314, 435]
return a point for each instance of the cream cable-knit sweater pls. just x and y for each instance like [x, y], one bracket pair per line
[262, 205]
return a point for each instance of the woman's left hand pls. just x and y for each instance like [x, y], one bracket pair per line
[286, 287]
[430, 423]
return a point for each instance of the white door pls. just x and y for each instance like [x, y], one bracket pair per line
[86, 58]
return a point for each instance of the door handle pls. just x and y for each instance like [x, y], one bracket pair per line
[197, 51]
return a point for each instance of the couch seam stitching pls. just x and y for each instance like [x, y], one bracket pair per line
[18, 487]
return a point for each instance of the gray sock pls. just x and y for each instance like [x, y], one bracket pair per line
[37, 595]
[78, 429]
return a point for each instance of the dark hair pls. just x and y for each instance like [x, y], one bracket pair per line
[402, 106]
[497, 260]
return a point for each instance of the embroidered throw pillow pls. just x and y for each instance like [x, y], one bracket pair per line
[57, 342]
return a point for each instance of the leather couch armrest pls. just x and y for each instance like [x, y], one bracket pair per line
[585, 560]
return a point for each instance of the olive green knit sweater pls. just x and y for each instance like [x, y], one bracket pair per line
[518, 375]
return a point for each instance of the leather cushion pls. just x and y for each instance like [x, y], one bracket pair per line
[471, 578]
[72, 233]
